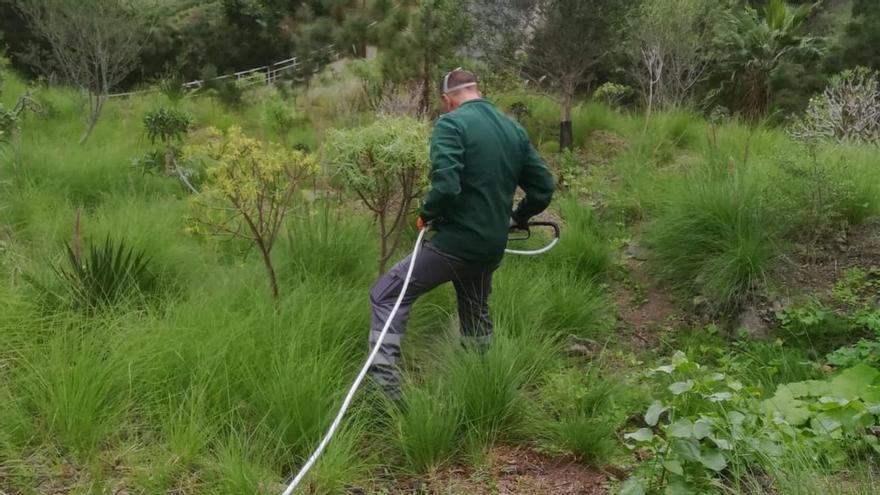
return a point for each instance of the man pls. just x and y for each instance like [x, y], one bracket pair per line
[479, 156]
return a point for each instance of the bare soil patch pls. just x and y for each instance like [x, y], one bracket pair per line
[513, 471]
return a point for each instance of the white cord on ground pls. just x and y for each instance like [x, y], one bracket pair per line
[366, 368]
[360, 378]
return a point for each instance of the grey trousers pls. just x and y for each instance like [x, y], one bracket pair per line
[473, 284]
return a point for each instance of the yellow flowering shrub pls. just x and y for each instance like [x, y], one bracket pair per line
[250, 188]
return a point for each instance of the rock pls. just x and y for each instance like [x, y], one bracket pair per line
[637, 252]
[510, 469]
[578, 350]
[752, 324]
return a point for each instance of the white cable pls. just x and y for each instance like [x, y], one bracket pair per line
[360, 378]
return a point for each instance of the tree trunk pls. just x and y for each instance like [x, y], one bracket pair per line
[425, 102]
[169, 158]
[383, 244]
[270, 270]
[566, 137]
[96, 105]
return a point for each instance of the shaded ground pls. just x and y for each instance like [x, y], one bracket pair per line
[513, 470]
[816, 269]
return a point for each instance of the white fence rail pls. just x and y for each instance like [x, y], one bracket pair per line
[267, 74]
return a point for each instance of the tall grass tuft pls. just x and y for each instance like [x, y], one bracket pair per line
[428, 428]
[325, 243]
[582, 249]
[491, 387]
[715, 237]
[78, 390]
[583, 413]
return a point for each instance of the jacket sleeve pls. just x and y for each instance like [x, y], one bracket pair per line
[537, 182]
[447, 162]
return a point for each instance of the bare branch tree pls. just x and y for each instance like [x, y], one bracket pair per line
[670, 51]
[94, 45]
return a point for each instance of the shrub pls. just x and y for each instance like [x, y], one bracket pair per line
[251, 189]
[847, 111]
[613, 95]
[171, 86]
[107, 275]
[280, 118]
[168, 126]
[822, 193]
[385, 163]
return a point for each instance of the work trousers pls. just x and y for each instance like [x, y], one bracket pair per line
[473, 284]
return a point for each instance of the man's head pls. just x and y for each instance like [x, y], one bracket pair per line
[457, 87]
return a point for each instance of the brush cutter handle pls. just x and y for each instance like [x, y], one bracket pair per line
[527, 234]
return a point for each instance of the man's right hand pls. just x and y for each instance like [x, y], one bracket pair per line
[518, 225]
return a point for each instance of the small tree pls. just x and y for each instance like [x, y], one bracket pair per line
[385, 164]
[671, 52]
[94, 45]
[168, 126]
[280, 117]
[418, 41]
[571, 38]
[250, 190]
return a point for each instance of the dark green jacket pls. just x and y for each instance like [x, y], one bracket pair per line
[478, 158]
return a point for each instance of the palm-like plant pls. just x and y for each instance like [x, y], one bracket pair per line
[753, 45]
[108, 275]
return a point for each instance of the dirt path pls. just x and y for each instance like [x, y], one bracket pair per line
[512, 471]
[643, 306]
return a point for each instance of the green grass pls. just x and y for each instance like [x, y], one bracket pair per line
[715, 237]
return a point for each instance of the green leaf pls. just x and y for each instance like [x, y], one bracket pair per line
[717, 377]
[633, 486]
[679, 358]
[853, 382]
[668, 369]
[654, 411]
[688, 449]
[679, 388]
[683, 428]
[673, 466]
[640, 435]
[824, 424]
[721, 443]
[702, 429]
[677, 487]
[714, 460]
[720, 396]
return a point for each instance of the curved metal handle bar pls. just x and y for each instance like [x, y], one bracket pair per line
[535, 252]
